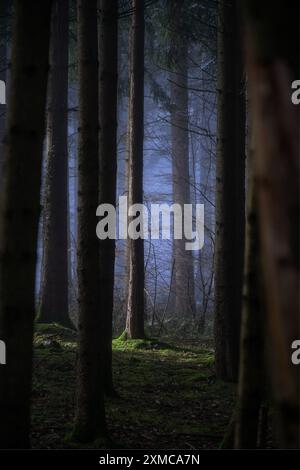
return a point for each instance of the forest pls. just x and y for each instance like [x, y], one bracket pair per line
[149, 225]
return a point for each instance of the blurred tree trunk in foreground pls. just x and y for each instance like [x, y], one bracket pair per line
[90, 414]
[230, 192]
[19, 214]
[135, 304]
[273, 63]
[108, 82]
[54, 288]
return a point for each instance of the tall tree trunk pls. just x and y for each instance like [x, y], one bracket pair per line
[184, 264]
[19, 214]
[183, 295]
[108, 57]
[90, 415]
[273, 63]
[135, 305]
[54, 289]
[230, 197]
[251, 371]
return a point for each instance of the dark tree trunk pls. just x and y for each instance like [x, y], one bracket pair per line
[19, 214]
[90, 414]
[273, 63]
[252, 370]
[54, 288]
[230, 193]
[135, 305]
[108, 74]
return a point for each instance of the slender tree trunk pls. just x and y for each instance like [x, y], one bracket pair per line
[184, 264]
[252, 370]
[273, 63]
[108, 54]
[230, 197]
[19, 214]
[54, 289]
[135, 305]
[90, 415]
[183, 295]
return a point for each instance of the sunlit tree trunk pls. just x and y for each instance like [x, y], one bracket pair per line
[19, 214]
[135, 304]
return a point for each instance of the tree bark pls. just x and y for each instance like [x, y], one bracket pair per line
[135, 305]
[252, 370]
[19, 214]
[273, 63]
[108, 73]
[90, 414]
[230, 193]
[54, 288]
[184, 302]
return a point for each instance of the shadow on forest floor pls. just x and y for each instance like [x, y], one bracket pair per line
[170, 398]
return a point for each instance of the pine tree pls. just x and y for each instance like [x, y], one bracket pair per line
[90, 413]
[108, 73]
[19, 214]
[230, 193]
[54, 287]
[135, 305]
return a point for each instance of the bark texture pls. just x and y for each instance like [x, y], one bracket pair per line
[252, 370]
[230, 193]
[108, 81]
[183, 285]
[90, 415]
[273, 63]
[135, 304]
[54, 288]
[19, 214]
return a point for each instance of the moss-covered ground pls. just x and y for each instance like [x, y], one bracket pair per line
[169, 396]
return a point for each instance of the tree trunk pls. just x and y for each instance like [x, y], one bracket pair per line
[54, 289]
[90, 415]
[135, 305]
[184, 302]
[182, 286]
[252, 370]
[273, 63]
[19, 214]
[230, 193]
[108, 56]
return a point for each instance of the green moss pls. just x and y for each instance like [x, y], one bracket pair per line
[169, 397]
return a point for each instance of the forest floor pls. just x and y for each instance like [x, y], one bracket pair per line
[169, 396]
